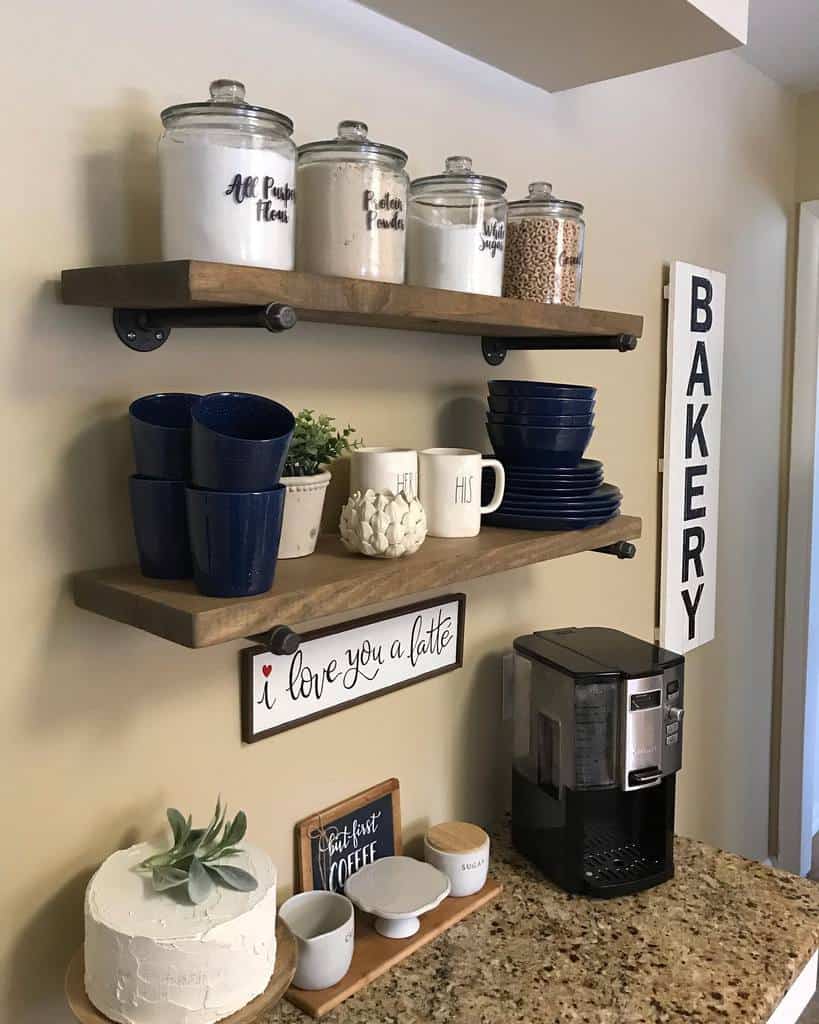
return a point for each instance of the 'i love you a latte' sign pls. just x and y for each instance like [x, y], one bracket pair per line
[346, 664]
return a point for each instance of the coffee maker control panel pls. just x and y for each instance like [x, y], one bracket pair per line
[674, 711]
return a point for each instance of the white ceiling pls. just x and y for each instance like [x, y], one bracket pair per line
[783, 41]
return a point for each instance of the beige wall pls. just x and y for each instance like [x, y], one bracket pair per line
[807, 169]
[102, 726]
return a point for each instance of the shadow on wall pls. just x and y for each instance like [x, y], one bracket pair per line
[44, 950]
[121, 181]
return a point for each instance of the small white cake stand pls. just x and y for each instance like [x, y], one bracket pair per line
[397, 890]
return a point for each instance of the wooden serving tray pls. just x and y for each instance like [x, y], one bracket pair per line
[86, 1013]
[374, 954]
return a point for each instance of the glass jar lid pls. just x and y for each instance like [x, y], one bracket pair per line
[227, 108]
[542, 200]
[352, 143]
[458, 176]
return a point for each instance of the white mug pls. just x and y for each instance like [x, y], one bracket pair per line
[384, 469]
[450, 490]
[323, 924]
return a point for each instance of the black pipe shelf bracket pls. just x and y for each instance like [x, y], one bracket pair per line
[278, 640]
[145, 330]
[620, 549]
[495, 349]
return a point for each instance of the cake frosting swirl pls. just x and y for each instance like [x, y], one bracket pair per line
[156, 958]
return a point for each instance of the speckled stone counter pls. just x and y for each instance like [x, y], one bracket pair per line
[722, 942]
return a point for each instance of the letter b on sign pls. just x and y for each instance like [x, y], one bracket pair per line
[702, 292]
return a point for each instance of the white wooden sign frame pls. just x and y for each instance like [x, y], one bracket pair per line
[693, 412]
[342, 665]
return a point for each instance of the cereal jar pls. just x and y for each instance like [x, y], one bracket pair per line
[544, 248]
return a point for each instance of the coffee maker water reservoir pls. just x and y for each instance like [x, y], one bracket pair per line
[598, 743]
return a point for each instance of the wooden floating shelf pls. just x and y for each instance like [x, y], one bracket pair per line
[194, 284]
[332, 580]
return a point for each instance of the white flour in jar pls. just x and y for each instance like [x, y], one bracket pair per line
[456, 257]
[352, 220]
[227, 204]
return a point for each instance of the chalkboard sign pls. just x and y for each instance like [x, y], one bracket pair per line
[336, 842]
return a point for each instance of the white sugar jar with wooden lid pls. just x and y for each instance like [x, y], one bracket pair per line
[461, 851]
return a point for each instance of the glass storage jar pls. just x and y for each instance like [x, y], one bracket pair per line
[456, 226]
[228, 174]
[352, 207]
[544, 248]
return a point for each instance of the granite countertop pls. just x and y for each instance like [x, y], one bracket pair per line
[721, 942]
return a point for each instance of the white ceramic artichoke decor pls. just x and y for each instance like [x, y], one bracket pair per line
[383, 524]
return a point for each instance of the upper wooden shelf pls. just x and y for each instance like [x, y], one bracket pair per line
[193, 284]
[330, 581]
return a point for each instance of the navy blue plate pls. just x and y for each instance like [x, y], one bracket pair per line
[583, 467]
[605, 492]
[527, 522]
[514, 509]
[573, 502]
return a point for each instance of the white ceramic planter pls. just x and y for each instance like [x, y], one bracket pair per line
[303, 506]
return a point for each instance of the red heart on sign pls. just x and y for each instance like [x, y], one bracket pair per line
[266, 670]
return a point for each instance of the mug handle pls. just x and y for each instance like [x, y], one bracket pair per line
[500, 485]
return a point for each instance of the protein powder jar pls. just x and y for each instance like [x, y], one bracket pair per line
[352, 207]
[544, 248]
[456, 230]
[228, 173]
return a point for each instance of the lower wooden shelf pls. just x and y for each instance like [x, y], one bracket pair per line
[374, 955]
[332, 580]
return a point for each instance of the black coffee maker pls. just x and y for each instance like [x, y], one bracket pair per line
[598, 743]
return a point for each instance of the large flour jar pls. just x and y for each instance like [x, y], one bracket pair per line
[456, 230]
[352, 207]
[228, 174]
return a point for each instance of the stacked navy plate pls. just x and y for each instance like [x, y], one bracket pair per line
[540, 432]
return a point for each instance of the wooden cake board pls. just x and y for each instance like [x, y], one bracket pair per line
[374, 954]
[86, 1013]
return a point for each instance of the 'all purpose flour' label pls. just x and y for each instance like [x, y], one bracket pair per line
[228, 204]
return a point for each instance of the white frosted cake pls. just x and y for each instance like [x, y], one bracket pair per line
[156, 958]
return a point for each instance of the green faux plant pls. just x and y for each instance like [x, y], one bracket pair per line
[197, 857]
[316, 442]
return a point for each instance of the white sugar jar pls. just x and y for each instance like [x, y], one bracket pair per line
[228, 174]
[461, 851]
[352, 207]
[456, 230]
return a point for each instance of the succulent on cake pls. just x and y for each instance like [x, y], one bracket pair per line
[200, 857]
[382, 524]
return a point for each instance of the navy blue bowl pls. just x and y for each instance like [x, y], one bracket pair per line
[541, 406]
[540, 389]
[161, 435]
[239, 442]
[539, 446]
[520, 419]
[161, 527]
[234, 540]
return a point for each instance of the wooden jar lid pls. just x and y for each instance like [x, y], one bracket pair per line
[456, 837]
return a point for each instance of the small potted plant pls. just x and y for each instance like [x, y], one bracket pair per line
[316, 443]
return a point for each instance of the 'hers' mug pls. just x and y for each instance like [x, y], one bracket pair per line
[450, 490]
[384, 469]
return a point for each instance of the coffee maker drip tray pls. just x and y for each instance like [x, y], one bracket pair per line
[608, 861]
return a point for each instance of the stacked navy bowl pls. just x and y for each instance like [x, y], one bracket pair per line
[540, 432]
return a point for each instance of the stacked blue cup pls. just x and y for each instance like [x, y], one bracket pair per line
[161, 436]
[235, 503]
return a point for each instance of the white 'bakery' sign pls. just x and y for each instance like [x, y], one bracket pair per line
[693, 408]
[346, 664]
